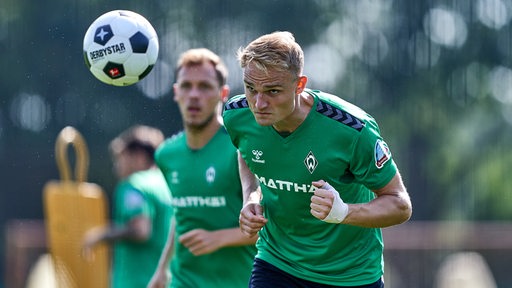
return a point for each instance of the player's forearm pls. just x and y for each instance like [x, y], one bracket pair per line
[167, 252]
[250, 184]
[391, 207]
[384, 211]
[116, 233]
[233, 237]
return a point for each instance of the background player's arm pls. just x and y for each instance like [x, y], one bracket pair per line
[235, 237]
[137, 229]
[200, 241]
[162, 276]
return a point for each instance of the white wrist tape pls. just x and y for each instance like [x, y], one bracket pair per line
[339, 208]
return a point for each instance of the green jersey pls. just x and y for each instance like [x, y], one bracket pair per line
[337, 142]
[207, 194]
[143, 193]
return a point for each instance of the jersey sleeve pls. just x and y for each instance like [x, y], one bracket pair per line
[232, 116]
[134, 204]
[372, 163]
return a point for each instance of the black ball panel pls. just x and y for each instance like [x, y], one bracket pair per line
[139, 43]
[114, 70]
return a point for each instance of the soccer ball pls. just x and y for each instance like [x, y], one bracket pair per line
[120, 47]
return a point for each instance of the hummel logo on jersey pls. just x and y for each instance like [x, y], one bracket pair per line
[310, 162]
[257, 155]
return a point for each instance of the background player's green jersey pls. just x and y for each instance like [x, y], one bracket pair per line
[207, 194]
[338, 143]
[142, 193]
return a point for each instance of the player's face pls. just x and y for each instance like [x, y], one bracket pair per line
[125, 163]
[120, 165]
[198, 93]
[273, 97]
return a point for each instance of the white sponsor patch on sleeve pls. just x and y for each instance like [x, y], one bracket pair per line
[382, 153]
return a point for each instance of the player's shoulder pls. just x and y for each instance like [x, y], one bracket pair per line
[172, 140]
[171, 143]
[223, 132]
[149, 174]
[139, 176]
[340, 110]
[236, 102]
[145, 181]
[222, 136]
[236, 111]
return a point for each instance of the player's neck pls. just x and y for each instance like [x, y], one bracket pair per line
[287, 126]
[198, 138]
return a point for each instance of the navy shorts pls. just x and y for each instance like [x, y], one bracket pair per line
[266, 275]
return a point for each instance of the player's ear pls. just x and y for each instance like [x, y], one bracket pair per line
[224, 93]
[301, 84]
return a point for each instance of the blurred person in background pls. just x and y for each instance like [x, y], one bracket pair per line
[142, 209]
[319, 181]
[201, 168]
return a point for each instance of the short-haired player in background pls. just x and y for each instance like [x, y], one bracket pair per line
[319, 180]
[142, 209]
[201, 167]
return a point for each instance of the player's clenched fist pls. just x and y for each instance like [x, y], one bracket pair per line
[251, 218]
[326, 203]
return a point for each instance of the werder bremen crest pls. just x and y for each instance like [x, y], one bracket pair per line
[311, 162]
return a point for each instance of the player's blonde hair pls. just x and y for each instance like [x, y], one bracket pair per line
[198, 56]
[277, 50]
